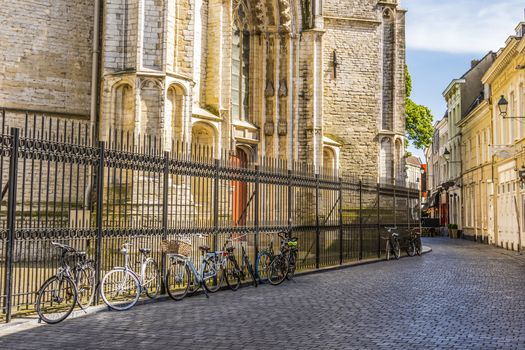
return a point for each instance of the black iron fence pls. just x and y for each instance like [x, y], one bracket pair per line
[58, 186]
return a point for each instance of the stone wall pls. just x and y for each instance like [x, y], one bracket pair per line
[45, 55]
[352, 100]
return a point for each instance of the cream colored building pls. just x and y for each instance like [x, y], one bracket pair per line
[477, 189]
[506, 78]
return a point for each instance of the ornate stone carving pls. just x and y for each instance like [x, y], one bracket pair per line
[269, 91]
[283, 88]
[260, 14]
[285, 16]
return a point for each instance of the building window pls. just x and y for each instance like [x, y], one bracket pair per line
[240, 64]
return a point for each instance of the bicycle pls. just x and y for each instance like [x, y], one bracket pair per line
[121, 287]
[414, 244]
[392, 244]
[267, 261]
[235, 273]
[182, 273]
[59, 294]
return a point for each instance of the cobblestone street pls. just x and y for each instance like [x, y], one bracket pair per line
[462, 295]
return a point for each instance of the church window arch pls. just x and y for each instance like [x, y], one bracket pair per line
[240, 75]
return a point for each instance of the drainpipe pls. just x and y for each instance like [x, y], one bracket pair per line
[93, 110]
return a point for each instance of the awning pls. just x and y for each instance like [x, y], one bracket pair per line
[433, 200]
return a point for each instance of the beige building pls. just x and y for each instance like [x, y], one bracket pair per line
[505, 80]
[460, 95]
[319, 81]
[477, 190]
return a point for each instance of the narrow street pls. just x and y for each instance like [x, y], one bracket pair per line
[462, 295]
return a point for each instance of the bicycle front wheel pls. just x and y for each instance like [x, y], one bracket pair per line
[262, 266]
[291, 267]
[278, 269]
[419, 247]
[120, 289]
[388, 249]
[397, 249]
[213, 274]
[56, 299]
[249, 268]
[233, 274]
[86, 286]
[411, 248]
[151, 281]
[177, 280]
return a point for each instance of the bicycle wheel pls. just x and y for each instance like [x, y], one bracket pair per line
[86, 285]
[177, 280]
[232, 274]
[120, 289]
[291, 266]
[278, 269]
[56, 299]
[397, 249]
[411, 248]
[213, 274]
[249, 268]
[151, 281]
[388, 249]
[419, 247]
[262, 266]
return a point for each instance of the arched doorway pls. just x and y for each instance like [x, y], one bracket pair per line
[240, 189]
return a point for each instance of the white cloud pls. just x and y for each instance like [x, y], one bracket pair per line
[461, 26]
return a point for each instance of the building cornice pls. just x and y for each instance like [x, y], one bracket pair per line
[452, 84]
[505, 56]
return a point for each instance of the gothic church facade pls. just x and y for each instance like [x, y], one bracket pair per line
[316, 81]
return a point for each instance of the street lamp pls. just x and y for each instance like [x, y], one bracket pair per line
[503, 106]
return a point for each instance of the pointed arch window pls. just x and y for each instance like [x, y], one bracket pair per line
[240, 63]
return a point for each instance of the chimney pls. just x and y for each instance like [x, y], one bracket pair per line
[520, 29]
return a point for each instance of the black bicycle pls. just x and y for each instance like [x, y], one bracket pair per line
[414, 245]
[393, 247]
[283, 265]
[235, 273]
[73, 283]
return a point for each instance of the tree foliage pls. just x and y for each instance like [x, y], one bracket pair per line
[419, 118]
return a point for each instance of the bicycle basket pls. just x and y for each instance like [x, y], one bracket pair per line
[176, 247]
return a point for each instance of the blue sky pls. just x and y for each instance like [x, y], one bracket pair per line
[443, 36]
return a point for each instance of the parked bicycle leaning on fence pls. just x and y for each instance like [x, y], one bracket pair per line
[122, 286]
[73, 284]
[182, 277]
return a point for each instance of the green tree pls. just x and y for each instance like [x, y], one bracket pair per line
[419, 118]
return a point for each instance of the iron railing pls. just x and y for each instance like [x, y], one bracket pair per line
[59, 186]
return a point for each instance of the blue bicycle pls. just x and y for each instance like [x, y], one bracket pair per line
[182, 276]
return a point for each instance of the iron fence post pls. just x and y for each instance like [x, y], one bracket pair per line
[216, 205]
[100, 198]
[378, 220]
[360, 219]
[11, 221]
[317, 225]
[165, 193]
[290, 203]
[340, 221]
[408, 207]
[256, 214]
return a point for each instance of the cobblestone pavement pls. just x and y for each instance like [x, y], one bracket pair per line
[463, 295]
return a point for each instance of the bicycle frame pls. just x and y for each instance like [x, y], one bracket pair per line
[198, 276]
[128, 268]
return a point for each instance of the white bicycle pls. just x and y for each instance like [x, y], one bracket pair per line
[122, 286]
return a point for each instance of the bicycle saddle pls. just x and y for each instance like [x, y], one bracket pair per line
[145, 250]
[204, 248]
[395, 234]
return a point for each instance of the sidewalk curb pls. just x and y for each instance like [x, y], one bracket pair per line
[26, 323]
